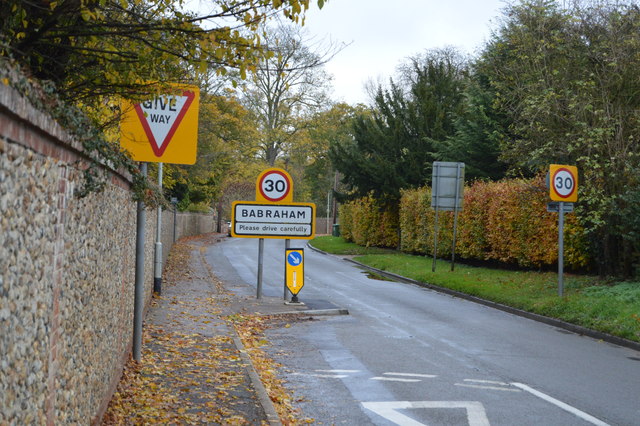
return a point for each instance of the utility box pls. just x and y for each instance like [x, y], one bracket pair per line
[447, 186]
[336, 230]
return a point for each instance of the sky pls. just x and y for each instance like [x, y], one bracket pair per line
[381, 34]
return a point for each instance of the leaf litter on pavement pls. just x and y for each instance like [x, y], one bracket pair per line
[251, 328]
[193, 377]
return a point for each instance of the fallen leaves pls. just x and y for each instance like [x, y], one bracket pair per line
[188, 373]
[250, 328]
[183, 379]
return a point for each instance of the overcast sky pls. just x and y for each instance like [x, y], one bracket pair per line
[383, 33]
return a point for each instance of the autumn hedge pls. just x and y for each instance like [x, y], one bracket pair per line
[503, 221]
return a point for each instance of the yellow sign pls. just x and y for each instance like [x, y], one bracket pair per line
[294, 270]
[274, 186]
[563, 183]
[163, 129]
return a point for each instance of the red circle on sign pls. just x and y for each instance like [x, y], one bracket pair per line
[279, 194]
[573, 182]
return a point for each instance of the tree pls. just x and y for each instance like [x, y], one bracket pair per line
[568, 81]
[479, 129]
[309, 157]
[395, 144]
[286, 87]
[225, 143]
[378, 159]
[95, 51]
[93, 48]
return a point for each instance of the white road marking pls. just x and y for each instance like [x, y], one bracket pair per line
[426, 376]
[330, 376]
[487, 387]
[322, 376]
[490, 382]
[561, 404]
[476, 414]
[396, 379]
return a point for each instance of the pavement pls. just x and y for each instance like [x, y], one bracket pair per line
[204, 361]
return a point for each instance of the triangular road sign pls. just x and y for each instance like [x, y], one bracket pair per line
[163, 129]
[160, 118]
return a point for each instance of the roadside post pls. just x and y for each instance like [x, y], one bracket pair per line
[159, 130]
[138, 297]
[272, 215]
[157, 266]
[563, 189]
[294, 272]
[174, 203]
[287, 246]
[447, 187]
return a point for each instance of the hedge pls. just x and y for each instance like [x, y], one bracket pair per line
[503, 221]
[367, 222]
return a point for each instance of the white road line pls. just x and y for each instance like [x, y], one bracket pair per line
[562, 405]
[395, 379]
[487, 387]
[338, 371]
[476, 414]
[322, 376]
[490, 382]
[329, 376]
[426, 376]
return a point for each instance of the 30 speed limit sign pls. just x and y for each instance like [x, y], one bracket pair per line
[274, 186]
[563, 183]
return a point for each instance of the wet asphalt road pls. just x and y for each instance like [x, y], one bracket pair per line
[408, 355]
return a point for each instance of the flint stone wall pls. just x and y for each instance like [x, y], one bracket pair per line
[67, 273]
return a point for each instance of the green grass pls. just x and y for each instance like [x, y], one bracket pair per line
[612, 308]
[337, 245]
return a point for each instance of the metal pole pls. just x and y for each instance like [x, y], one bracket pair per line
[328, 210]
[434, 187]
[139, 285]
[334, 206]
[435, 242]
[157, 275]
[287, 245]
[455, 217]
[560, 248]
[175, 218]
[260, 256]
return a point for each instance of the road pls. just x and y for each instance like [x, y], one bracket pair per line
[407, 355]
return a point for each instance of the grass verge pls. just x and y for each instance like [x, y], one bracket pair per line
[612, 308]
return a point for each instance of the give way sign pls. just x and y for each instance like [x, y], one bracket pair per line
[163, 129]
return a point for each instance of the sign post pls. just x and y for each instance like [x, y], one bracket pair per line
[157, 274]
[563, 188]
[162, 129]
[273, 215]
[294, 272]
[447, 186]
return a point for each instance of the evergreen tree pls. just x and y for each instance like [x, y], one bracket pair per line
[478, 132]
[395, 144]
